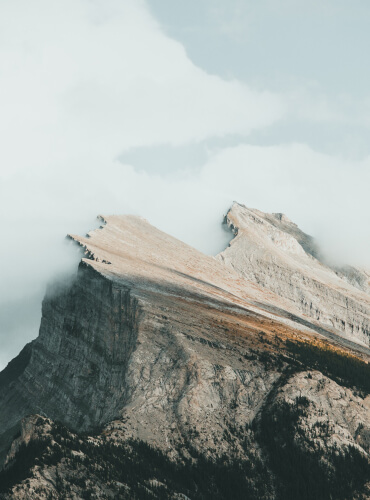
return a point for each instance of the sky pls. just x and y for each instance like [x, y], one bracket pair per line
[172, 110]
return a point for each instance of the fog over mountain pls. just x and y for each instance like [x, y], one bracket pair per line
[118, 107]
[159, 366]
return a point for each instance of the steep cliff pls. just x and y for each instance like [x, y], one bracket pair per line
[158, 367]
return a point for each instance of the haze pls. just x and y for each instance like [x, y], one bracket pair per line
[171, 110]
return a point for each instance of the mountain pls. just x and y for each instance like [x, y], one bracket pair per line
[160, 372]
[272, 251]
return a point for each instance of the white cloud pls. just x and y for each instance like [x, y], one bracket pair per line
[82, 81]
[326, 195]
[87, 79]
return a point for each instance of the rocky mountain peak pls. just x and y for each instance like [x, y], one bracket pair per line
[282, 217]
[158, 366]
[281, 258]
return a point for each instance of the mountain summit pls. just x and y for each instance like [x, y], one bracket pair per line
[160, 372]
[272, 251]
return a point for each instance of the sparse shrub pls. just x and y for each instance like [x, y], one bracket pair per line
[134, 463]
[343, 367]
[303, 470]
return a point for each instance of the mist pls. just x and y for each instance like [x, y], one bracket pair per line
[84, 83]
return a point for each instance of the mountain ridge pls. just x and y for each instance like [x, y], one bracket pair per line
[278, 261]
[160, 346]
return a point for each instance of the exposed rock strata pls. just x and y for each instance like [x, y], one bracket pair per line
[273, 252]
[157, 342]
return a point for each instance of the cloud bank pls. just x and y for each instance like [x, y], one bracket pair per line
[83, 82]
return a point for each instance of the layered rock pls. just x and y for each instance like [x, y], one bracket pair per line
[131, 317]
[273, 252]
[158, 343]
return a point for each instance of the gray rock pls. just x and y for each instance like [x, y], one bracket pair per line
[157, 342]
[273, 252]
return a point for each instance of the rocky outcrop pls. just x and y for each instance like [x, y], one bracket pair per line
[75, 370]
[158, 354]
[273, 252]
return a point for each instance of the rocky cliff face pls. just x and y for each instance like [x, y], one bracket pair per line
[272, 251]
[75, 369]
[158, 367]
